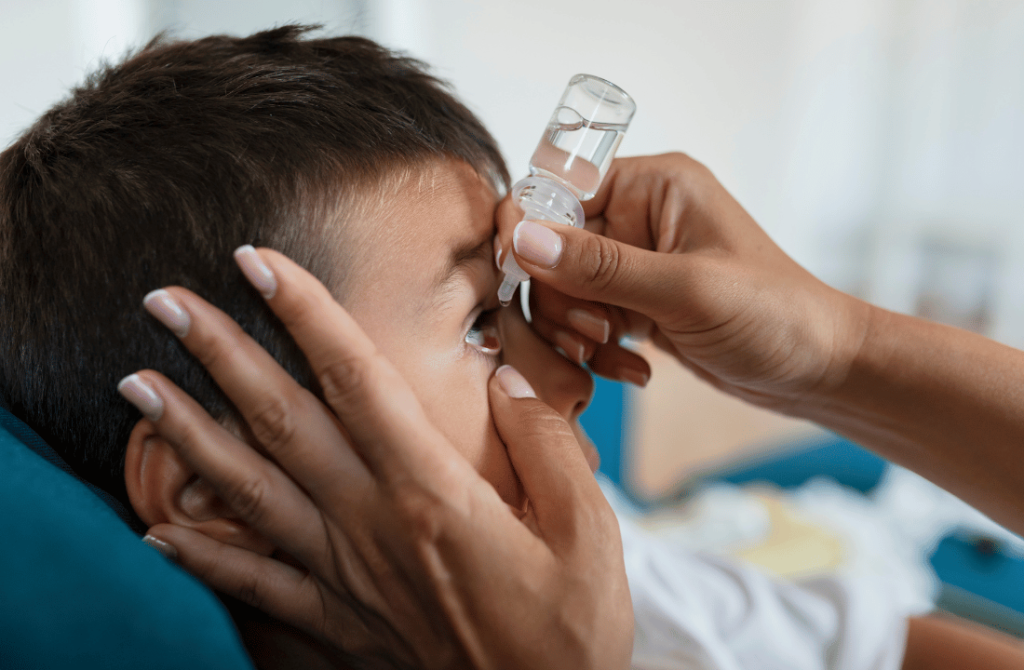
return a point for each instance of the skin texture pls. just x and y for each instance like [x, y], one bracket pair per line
[389, 505]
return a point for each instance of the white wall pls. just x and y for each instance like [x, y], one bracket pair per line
[48, 46]
[780, 99]
[858, 132]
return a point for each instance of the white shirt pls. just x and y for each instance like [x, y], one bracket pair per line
[697, 611]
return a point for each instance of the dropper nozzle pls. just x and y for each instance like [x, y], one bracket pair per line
[513, 276]
[507, 290]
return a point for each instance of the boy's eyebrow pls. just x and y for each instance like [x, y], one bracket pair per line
[462, 256]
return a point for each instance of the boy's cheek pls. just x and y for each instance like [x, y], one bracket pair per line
[490, 457]
[464, 416]
[453, 393]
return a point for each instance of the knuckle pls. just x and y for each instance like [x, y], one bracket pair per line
[679, 158]
[248, 498]
[346, 380]
[422, 514]
[300, 308]
[272, 422]
[683, 165]
[603, 261]
[248, 590]
[210, 349]
[190, 438]
[691, 169]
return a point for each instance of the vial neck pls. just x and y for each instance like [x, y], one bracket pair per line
[544, 198]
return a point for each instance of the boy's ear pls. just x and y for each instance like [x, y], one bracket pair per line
[163, 488]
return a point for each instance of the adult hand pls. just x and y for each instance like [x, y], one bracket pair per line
[396, 549]
[668, 254]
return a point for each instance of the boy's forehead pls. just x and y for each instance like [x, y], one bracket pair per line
[420, 225]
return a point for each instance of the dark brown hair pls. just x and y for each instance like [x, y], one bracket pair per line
[154, 171]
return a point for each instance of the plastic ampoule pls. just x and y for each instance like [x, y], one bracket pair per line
[571, 160]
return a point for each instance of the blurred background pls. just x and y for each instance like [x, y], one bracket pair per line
[880, 142]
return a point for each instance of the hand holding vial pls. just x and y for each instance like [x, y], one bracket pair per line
[571, 159]
[668, 254]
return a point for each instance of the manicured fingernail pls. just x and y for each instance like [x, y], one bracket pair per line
[573, 348]
[497, 252]
[589, 324]
[513, 383]
[537, 244]
[142, 395]
[167, 311]
[634, 377]
[164, 548]
[256, 271]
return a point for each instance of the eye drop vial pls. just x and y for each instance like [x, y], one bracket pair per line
[571, 160]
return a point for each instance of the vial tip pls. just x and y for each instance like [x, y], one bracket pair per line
[507, 289]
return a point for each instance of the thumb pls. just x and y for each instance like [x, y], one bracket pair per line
[593, 267]
[546, 456]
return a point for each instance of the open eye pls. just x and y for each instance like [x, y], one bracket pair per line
[483, 335]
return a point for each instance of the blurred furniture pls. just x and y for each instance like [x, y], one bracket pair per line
[979, 582]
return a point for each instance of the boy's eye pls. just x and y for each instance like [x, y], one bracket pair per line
[483, 334]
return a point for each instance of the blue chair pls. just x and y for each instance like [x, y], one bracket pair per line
[78, 589]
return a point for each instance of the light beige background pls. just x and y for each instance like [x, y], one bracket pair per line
[880, 142]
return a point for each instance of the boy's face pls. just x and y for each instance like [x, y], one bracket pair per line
[425, 278]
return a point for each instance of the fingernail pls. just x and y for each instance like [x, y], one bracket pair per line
[164, 548]
[256, 271]
[537, 244]
[634, 377]
[571, 346]
[497, 252]
[591, 325]
[142, 395]
[167, 311]
[513, 383]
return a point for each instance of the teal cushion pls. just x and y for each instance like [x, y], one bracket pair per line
[79, 590]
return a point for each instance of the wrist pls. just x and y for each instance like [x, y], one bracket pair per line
[856, 328]
[852, 397]
[844, 335]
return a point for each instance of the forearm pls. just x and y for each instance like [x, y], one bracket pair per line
[943, 402]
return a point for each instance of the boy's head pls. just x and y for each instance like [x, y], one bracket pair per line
[345, 157]
[157, 168]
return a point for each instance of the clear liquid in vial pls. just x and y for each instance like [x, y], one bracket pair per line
[576, 151]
